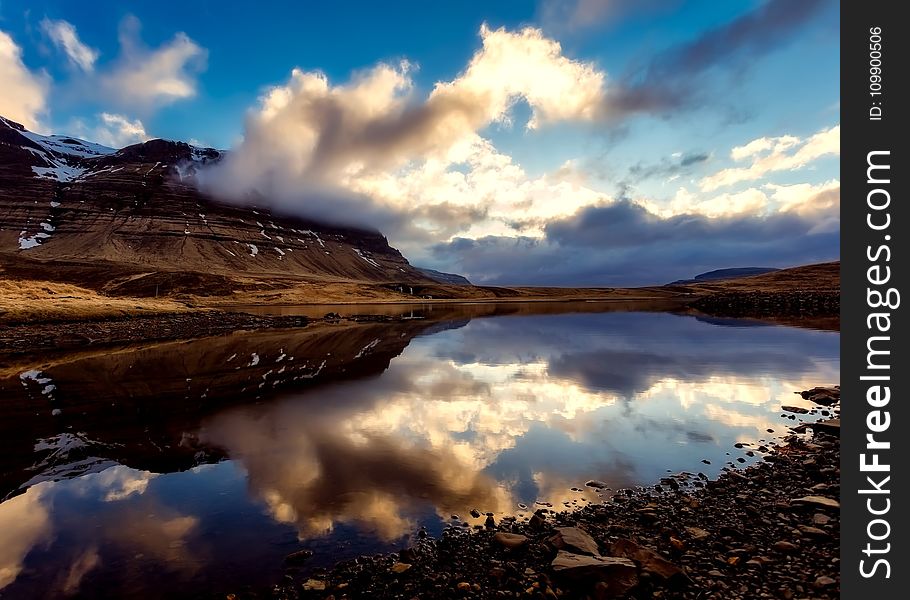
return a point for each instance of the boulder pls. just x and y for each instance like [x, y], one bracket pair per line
[573, 539]
[509, 541]
[813, 531]
[617, 575]
[538, 520]
[817, 501]
[650, 561]
[820, 519]
[825, 396]
[785, 546]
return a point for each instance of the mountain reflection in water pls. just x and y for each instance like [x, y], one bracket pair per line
[211, 460]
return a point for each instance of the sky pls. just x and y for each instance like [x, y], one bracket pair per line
[543, 142]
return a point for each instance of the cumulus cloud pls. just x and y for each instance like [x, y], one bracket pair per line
[113, 130]
[145, 78]
[751, 200]
[24, 97]
[375, 152]
[324, 150]
[784, 153]
[63, 35]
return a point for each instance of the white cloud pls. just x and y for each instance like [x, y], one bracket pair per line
[63, 35]
[751, 200]
[785, 153]
[526, 65]
[372, 146]
[763, 144]
[805, 199]
[25, 523]
[144, 78]
[114, 130]
[24, 96]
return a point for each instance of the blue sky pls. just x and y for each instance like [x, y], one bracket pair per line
[720, 75]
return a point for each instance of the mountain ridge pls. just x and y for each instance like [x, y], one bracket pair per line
[137, 210]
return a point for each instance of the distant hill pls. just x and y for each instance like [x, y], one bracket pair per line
[720, 274]
[440, 277]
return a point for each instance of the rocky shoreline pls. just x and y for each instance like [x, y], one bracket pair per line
[775, 303]
[67, 335]
[770, 530]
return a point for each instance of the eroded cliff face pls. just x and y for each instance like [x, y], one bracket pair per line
[137, 211]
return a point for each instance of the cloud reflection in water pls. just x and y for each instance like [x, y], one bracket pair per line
[513, 410]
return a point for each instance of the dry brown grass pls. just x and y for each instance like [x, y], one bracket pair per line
[32, 301]
[368, 293]
[822, 277]
[25, 301]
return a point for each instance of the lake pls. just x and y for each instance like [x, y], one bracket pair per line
[186, 468]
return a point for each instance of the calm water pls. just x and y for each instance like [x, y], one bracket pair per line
[189, 468]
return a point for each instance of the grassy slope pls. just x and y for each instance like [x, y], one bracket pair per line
[29, 300]
[822, 277]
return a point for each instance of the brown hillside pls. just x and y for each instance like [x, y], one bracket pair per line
[112, 218]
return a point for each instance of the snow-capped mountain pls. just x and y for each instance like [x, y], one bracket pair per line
[128, 213]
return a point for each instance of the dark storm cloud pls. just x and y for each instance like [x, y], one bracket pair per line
[673, 79]
[624, 223]
[623, 244]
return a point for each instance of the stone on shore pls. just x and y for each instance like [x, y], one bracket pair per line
[296, 558]
[619, 574]
[315, 585]
[828, 426]
[574, 540]
[696, 533]
[825, 396]
[817, 501]
[785, 546]
[650, 561]
[509, 541]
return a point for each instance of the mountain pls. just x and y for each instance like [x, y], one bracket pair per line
[440, 277]
[75, 210]
[720, 274]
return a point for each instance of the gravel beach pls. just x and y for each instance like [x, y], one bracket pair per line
[769, 530]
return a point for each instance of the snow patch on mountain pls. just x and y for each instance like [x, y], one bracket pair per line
[27, 242]
[69, 146]
[367, 258]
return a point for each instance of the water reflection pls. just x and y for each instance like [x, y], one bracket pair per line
[507, 412]
[347, 439]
